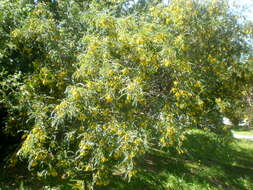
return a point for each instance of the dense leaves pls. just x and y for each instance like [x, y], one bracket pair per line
[97, 87]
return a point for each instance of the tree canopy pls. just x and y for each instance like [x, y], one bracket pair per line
[93, 86]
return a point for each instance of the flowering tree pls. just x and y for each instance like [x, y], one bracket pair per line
[107, 86]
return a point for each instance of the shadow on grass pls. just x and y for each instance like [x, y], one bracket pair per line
[12, 177]
[211, 166]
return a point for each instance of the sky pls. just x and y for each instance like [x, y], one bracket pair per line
[248, 4]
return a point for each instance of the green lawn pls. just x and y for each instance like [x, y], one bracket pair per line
[248, 132]
[160, 172]
[208, 174]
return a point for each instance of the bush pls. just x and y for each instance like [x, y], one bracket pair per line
[105, 86]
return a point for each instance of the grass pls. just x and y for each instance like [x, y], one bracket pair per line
[206, 174]
[162, 172]
[245, 132]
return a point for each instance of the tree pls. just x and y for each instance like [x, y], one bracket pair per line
[107, 86]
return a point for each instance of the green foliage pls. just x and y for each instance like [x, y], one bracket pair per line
[100, 87]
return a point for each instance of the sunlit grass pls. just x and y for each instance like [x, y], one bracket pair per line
[246, 132]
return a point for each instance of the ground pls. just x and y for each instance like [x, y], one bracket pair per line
[231, 168]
